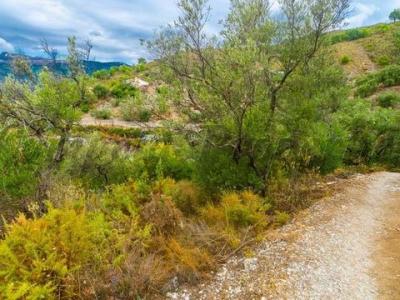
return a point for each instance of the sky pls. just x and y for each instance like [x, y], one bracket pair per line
[115, 27]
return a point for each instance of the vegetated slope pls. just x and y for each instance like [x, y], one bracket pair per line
[359, 52]
[369, 56]
[344, 247]
[359, 61]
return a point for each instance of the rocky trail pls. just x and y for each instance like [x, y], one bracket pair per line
[346, 246]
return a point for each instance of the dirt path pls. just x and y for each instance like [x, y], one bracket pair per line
[344, 247]
[360, 63]
[88, 120]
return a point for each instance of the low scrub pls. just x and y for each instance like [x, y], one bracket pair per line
[389, 99]
[102, 113]
[129, 242]
[369, 84]
[349, 35]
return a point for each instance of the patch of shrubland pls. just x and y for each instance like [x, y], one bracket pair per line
[121, 213]
[386, 77]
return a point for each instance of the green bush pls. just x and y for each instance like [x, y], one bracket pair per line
[388, 76]
[326, 146]
[389, 99]
[133, 109]
[124, 90]
[100, 91]
[144, 115]
[383, 61]
[281, 218]
[22, 158]
[103, 114]
[367, 88]
[156, 161]
[96, 163]
[345, 60]
[374, 134]
[349, 35]
[102, 74]
[85, 107]
[216, 171]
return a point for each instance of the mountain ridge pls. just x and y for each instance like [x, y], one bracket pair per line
[38, 63]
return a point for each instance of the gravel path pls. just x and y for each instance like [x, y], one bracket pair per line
[330, 251]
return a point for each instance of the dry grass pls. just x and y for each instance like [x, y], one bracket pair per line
[359, 63]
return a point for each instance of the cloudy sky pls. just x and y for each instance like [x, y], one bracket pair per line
[116, 26]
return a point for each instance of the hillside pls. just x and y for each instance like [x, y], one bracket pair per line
[171, 178]
[367, 49]
[359, 52]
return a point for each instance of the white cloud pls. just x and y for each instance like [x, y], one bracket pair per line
[116, 26]
[6, 46]
[362, 13]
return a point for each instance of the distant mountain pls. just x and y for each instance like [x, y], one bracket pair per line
[38, 63]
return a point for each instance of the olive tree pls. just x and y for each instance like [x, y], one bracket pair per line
[233, 82]
[395, 15]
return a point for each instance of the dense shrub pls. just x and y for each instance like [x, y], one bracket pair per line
[102, 74]
[349, 35]
[96, 163]
[133, 109]
[59, 255]
[326, 145]
[238, 210]
[389, 76]
[123, 90]
[389, 99]
[383, 61]
[100, 91]
[374, 134]
[217, 171]
[102, 113]
[345, 60]
[155, 161]
[144, 115]
[21, 160]
[186, 195]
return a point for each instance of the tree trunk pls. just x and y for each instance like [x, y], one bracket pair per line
[58, 157]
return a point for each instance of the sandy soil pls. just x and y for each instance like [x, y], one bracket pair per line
[344, 247]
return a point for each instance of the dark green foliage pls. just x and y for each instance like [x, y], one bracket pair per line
[345, 60]
[387, 77]
[102, 113]
[144, 115]
[389, 99]
[383, 61]
[123, 90]
[349, 35]
[395, 15]
[96, 163]
[102, 74]
[155, 161]
[216, 171]
[374, 133]
[100, 91]
[22, 158]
